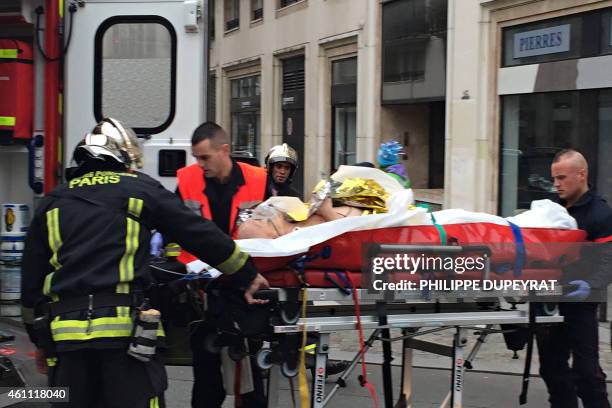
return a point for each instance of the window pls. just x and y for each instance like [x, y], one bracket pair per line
[285, 3]
[345, 135]
[211, 19]
[245, 87]
[135, 71]
[411, 29]
[256, 10]
[405, 61]
[536, 126]
[245, 132]
[344, 111]
[245, 114]
[232, 14]
[344, 72]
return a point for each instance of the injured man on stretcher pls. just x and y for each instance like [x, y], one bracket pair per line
[284, 228]
[352, 196]
[276, 224]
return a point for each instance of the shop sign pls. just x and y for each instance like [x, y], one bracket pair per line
[544, 41]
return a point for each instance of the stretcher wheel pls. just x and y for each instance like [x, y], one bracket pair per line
[210, 344]
[288, 319]
[549, 309]
[264, 359]
[236, 353]
[289, 369]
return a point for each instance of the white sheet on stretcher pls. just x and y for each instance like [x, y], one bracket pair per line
[543, 214]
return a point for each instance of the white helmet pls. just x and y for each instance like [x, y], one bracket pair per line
[110, 139]
[282, 153]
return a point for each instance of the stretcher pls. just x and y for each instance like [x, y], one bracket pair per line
[322, 276]
[333, 308]
[331, 311]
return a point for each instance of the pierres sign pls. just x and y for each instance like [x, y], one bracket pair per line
[544, 41]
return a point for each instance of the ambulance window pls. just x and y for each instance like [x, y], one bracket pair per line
[135, 72]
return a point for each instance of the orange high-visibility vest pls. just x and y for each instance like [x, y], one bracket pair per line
[191, 185]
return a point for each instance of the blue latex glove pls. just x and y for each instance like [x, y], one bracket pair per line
[582, 291]
[157, 243]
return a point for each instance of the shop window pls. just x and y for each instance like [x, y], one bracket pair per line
[575, 36]
[256, 10]
[135, 72]
[536, 126]
[232, 14]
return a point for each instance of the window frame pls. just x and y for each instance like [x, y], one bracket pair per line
[255, 11]
[280, 5]
[98, 60]
[226, 20]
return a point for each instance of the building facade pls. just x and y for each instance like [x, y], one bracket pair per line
[481, 93]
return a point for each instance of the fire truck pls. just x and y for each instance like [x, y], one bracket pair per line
[65, 65]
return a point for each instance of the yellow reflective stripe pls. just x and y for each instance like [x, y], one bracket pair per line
[7, 120]
[55, 243]
[126, 265]
[100, 321]
[154, 402]
[8, 53]
[87, 330]
[135, 206]
[55, 240]
[172, 249]
[61, 8]
[47, 284]
[233, 264]
[160, 331]
[52, 361]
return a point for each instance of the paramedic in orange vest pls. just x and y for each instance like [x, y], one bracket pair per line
[214, 187]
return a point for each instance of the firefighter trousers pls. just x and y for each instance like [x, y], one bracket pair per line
[108, 378]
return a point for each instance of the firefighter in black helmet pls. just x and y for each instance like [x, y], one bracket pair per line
[281, 162]
[85, 270]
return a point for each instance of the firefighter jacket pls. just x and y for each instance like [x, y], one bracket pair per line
[91, 236]
[191, 186]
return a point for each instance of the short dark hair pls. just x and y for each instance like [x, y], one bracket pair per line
[211, 131]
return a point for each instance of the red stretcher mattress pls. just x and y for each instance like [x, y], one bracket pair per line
[546, 250]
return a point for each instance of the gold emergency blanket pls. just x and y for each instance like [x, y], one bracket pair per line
[354, 191]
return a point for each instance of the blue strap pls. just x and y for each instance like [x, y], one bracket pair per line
[521, 253]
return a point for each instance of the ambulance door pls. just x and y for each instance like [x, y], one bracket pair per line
[143, 63]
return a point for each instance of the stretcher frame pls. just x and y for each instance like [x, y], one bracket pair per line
[481, 320]
[460, 322]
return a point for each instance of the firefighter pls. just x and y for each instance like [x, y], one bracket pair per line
[281, 163]
[215, 187]
[85, 271]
